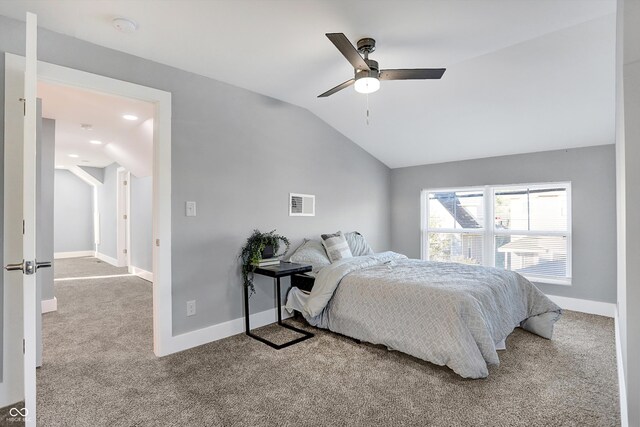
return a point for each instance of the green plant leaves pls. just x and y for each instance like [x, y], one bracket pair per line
[251, 253]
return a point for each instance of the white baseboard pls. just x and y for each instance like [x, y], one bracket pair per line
[143, 274]
[236, 326]
[222, 330]
[107, 259]
[607, 309]
[75, 254]
[49, 305]
[622, 386]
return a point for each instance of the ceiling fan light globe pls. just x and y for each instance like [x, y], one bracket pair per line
[367, 85]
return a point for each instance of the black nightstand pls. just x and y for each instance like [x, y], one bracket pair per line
[277, 271]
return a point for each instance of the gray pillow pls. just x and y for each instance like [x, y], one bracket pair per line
[357, 244]
[336, 246]
[311, 252]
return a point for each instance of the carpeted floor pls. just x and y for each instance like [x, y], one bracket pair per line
[99, 370]
[84, 267]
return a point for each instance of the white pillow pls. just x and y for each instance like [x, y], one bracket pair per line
[336, 246]
[357, 244]
[311, 252]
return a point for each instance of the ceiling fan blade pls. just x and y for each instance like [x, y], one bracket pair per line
[337, 88]
[412, 74]
[348, 50]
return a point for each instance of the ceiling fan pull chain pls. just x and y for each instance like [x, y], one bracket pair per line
[367, 109]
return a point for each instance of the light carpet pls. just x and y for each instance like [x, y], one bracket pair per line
[100, 370]
[84, 267]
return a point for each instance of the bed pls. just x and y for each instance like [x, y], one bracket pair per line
[450, 314]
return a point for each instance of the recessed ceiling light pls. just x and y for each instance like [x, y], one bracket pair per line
[85, 161]
[95, 141]
[130, 117]
[125, 25]
[86, 126]
[75, 156]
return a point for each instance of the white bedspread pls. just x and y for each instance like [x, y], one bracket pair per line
[446, 313]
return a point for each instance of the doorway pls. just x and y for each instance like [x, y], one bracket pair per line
[99, 155]
[161, 198]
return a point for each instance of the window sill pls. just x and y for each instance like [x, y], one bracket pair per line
[549, 280]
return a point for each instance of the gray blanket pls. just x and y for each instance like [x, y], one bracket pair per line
[446, 313]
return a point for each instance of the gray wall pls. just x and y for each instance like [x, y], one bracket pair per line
[592, 175]
[632, 213]
[45, 158]
[97, 173]
[107, 205]
[628, 140]
[45, 205]
[227, 143]
[141, 222]
[240, 165]
[4, 262]
[73, 213]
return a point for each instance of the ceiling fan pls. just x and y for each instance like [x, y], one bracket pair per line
[367, 75]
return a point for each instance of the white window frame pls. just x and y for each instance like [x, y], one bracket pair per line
[488, 228]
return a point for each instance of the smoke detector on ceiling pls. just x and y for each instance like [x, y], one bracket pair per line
[125, 25]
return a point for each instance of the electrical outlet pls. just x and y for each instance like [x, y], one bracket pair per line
[190, 208]
[191, 308]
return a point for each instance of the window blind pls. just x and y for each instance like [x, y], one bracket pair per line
[523, 228]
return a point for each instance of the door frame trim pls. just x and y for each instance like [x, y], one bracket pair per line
[162, 307]
[123, 233]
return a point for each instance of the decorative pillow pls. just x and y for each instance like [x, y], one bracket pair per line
[311, 252]
[336, 246]
[357, 244]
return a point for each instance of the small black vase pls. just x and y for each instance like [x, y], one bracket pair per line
[268, 252]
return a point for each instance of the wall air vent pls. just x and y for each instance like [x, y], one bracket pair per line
[302, 204]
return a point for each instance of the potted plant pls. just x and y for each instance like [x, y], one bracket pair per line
[259, 246]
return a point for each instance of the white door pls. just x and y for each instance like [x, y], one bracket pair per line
[122, 207]
[20, 204]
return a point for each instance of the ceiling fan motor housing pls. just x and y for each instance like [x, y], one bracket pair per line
[373, 65]
[365, 47]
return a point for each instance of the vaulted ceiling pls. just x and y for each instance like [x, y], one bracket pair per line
[522, 75]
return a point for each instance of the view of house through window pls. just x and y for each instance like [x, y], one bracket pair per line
[524, 228]
[456, 224]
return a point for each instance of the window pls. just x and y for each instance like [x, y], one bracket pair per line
[456, 226]
[523, 228]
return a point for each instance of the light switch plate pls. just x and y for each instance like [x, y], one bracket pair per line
[190, 208]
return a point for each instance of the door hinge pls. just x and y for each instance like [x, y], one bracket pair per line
[124, 183]
[23, 347]
[24, 105]
[157, 242]
[23, 227]
[124, 216]
[124, 251]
